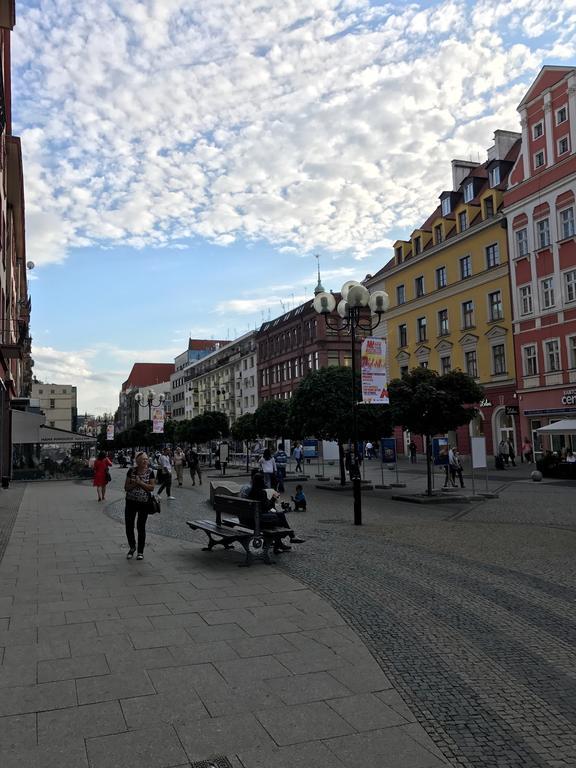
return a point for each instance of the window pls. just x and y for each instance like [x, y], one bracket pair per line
[471, 363]
[421, 329]
[563, 145]
[572, 351]
[399, 254]
[522, 242]
[495, 310]
[525, 293]
[462, 221]
[468, 314]
[403, 370]
[552, 354]
[530, 360]
[547, 292]
[402, 335]
[446, 208]
[561, 115]
[400, 294]
[419, 286]
[468, 191]
[441, 277]
[543, 233]
[539, 159]
[489, 207]
[538, 130]
[423, 364]
[570, 285]
[494, 176]
[417, 246]
[445, 364]
[443, 329]
[567, 223]
[64, 391]
[52, 403]
[492, 256]
[498, 359]
[465, 267]
[438, 234]
[40, 391]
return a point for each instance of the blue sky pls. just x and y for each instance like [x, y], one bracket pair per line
[185, 160]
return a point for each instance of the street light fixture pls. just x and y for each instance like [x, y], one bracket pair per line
[355, 299]
[150, 401]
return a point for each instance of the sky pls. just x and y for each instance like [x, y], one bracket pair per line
[185, 160]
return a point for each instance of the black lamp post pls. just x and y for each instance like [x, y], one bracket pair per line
[150, 401]
[355, 298]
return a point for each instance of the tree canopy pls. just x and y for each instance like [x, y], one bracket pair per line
[244, 428]
[271, 418]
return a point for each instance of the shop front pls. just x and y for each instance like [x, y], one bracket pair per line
[539, 409]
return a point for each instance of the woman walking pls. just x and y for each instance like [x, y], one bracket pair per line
[165, 474]
[139, 486]
[268, 468]
[100, 480]
[179, 464]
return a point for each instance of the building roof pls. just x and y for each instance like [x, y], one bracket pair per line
[199, 345]
[546, 78]
[145, 374]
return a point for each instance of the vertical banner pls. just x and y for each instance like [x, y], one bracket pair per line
[373, 367]
[440, 449]
[388, 450]
[110, 432]
[158, 420]
[479, 452]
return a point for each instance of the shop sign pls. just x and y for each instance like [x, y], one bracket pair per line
[569, 397]
[485, 403]
[512, 410]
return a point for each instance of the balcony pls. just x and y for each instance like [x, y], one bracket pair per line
[14, 339]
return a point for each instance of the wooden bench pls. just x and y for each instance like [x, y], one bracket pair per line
[227, 529]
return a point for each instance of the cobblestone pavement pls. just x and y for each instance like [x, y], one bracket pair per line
[471, 610]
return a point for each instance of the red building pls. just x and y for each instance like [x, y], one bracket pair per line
[540, 209]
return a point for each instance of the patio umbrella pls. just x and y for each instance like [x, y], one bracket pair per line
[563, 427]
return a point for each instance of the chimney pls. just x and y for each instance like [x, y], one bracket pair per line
[461, 169]
[503, 143]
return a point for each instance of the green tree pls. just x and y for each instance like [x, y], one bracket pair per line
[271, 418]
[244, 429]
[429, 404]
[322, 407]
[208, 426]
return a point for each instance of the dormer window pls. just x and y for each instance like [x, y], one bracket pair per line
[399, 254]
[438, 234]
[538, 130]
[468, 191]
[446, 208]
[494, 176]
[463, 221]
[417, 246]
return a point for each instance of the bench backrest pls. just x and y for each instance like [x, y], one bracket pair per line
[233, 505]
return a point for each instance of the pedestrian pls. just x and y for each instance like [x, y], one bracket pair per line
[267, 467]
[281, 459]
[504, 451]
[298, 455]
[139, 486]
[193, 461]
[101, 474]
[165, 474]
[527, 451]
[412, 449]
[179, 464]
[511, 452]
[299, 499]
[269, 517]
[456, 468]
[369, 450]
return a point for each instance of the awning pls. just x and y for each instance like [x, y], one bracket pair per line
[563, 427]
[26, 426]
[54, 436]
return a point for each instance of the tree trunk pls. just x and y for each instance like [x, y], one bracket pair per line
[341, 462]
[428, 466]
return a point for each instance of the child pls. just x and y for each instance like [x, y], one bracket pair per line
[299, 499]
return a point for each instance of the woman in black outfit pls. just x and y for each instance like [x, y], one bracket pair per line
[269, 517]
[138, 486]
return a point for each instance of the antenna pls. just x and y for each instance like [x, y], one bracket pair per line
[319, 287]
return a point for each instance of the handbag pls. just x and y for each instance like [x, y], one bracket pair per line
[154, 507]
[108, 476]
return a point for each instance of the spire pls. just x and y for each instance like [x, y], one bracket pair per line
[319, 288]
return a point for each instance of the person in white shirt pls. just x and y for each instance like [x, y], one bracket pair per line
[267, 466]
[165, 474]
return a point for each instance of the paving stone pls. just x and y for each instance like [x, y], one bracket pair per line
[136, 611]
[76, 667]
[177, 621]
[80, 722]
[300, 689]
[198, 653]
[215, 633]
[388, 748]
[113, 686]
[91, 614]
[366, 712]
[157, 747]
[392, 698]
[124, 626]
[261, 646]
[222, 735]
[37, 620]
[18, 674]
[147, 658]
[238, 699]
[159, 637]
[69, 632]
[169, 708]
[9, 639]
[300, 662]
[69, 754]
[246, 670]
[110, 644]
[313, 754]
[303, 722]
[365, 678]
[36, 698]
[196, 677]
[18, 731]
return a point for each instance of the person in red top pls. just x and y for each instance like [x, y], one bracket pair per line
[100, 470]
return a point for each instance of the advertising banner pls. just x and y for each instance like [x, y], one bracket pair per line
[158, 420]
[310, 448]
[440, 450]
[388, 450]
[110, 432]
[373, 367]
[478, 452]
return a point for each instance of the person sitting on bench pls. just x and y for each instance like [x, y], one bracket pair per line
[269, 517]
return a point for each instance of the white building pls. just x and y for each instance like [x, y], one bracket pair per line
[58, 402]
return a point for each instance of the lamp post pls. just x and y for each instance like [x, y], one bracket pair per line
[355, 298]
[150, 401]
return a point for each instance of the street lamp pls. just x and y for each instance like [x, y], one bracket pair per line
[150, 401]
[355, 299]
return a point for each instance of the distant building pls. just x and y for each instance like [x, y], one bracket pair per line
[197, 349]
[59, 404]
[143, 378]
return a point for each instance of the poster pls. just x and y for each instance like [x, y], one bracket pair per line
[478, 452]
[158, 419]
[373, 367]
[440, 449]
[310, 448]
[109, 431]
[388, 450]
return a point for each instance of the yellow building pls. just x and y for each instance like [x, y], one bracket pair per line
[449, 292]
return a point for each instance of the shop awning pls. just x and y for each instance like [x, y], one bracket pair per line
[26, 426]
[563, 427]
[54, 436]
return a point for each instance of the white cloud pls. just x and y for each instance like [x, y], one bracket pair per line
[309, 123]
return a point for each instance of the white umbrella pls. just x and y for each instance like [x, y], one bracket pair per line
[564, 427]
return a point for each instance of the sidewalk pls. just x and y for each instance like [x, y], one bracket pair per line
[179, 659]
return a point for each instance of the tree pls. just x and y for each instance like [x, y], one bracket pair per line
[208, 426]
[244, 429]
[322, 406]
[429, 404]
[271, 418]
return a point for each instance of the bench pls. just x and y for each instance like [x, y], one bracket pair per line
[227, 529]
